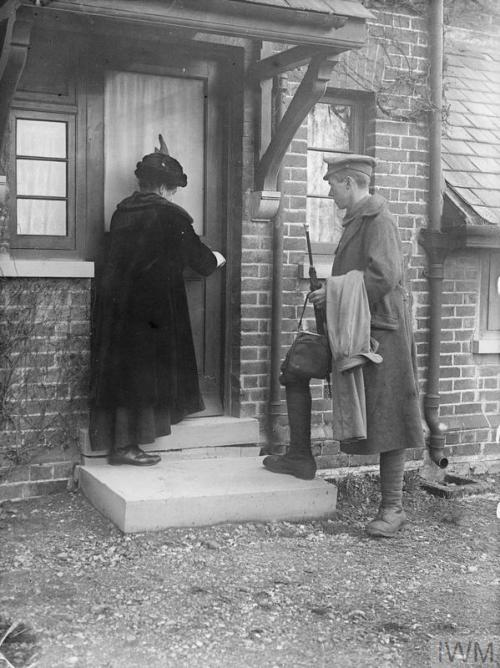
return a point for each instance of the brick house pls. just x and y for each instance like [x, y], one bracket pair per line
[265, 90]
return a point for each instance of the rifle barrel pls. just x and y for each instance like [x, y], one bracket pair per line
[308, 241]
[314, 284]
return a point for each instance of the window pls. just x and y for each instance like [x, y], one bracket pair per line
[488, 338]
[334, 125]
[43, 175]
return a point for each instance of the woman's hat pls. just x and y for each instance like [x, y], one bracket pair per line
[358, 163]
[160, 166]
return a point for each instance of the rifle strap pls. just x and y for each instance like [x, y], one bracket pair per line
[327, 377]
[303, 311]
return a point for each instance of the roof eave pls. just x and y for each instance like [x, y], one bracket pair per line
[461, 221]
[349, 8]
[226, 17]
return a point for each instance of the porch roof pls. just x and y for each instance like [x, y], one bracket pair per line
[471, 147]
[338, 7]
[328, 24]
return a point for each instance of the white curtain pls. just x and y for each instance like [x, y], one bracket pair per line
[137, 107]
[323, 216]
[328, 131]
[46, 177]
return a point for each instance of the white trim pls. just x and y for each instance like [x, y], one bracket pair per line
[486, 341]
[486, 346]
[46, 268]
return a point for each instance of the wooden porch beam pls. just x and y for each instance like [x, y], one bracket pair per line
[13, 59]
[297, 56]
[265, 199]
[310, 91]
[8, 8]
[225, 17]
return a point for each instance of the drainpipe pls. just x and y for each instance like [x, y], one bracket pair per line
[432, 240]
[277, 287]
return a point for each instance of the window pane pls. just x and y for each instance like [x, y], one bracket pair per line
[329, 126]
[43, 139]
[493, 318]
[41, 177]
[43, 217]
[325, 220]
[316, 169]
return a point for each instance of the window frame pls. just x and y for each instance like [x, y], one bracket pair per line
[31, 242]
[487, 340]
[359, 103]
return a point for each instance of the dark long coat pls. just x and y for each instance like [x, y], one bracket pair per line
[370, 243]
[143, 354]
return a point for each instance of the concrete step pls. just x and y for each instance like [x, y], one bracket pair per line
[201, 435]
[202, 492]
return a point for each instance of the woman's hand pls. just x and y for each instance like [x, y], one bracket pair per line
[318, 297]
[221, 260]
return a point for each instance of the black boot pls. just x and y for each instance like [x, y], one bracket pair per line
[139, 452]
[298, 461]
[391, 517]
[134, 456]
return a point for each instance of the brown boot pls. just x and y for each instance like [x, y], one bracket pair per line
[391, 516]
[387, 522]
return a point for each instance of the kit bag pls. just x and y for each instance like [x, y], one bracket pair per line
[309, 355]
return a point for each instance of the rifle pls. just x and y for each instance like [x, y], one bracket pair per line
[315, 284]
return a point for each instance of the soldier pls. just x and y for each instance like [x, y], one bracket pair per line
[370, 243]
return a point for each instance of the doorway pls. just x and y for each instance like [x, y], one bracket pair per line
[182, 100]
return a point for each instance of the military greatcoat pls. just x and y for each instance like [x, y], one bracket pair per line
[370, 243]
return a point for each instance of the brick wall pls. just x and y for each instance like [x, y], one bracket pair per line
[44, 365]
[394, 64]
[470, 383]
[256, 284]
[396, 42]
[256, 281]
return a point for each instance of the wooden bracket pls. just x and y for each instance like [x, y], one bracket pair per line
[310, 91]
[13, 54]
[286, 60]
[264, 205]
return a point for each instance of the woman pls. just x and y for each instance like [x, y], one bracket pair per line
[144, 374]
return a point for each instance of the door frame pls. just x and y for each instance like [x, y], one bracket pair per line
[100, 55]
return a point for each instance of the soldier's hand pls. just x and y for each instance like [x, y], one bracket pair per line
[318, 297]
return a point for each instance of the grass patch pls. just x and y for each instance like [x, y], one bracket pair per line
[358, 489]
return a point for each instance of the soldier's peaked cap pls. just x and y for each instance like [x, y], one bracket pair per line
[358, 163]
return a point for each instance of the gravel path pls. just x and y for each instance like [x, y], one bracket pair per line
[253, 595]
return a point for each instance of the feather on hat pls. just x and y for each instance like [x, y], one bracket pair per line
[161, 167]
[163, 147]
